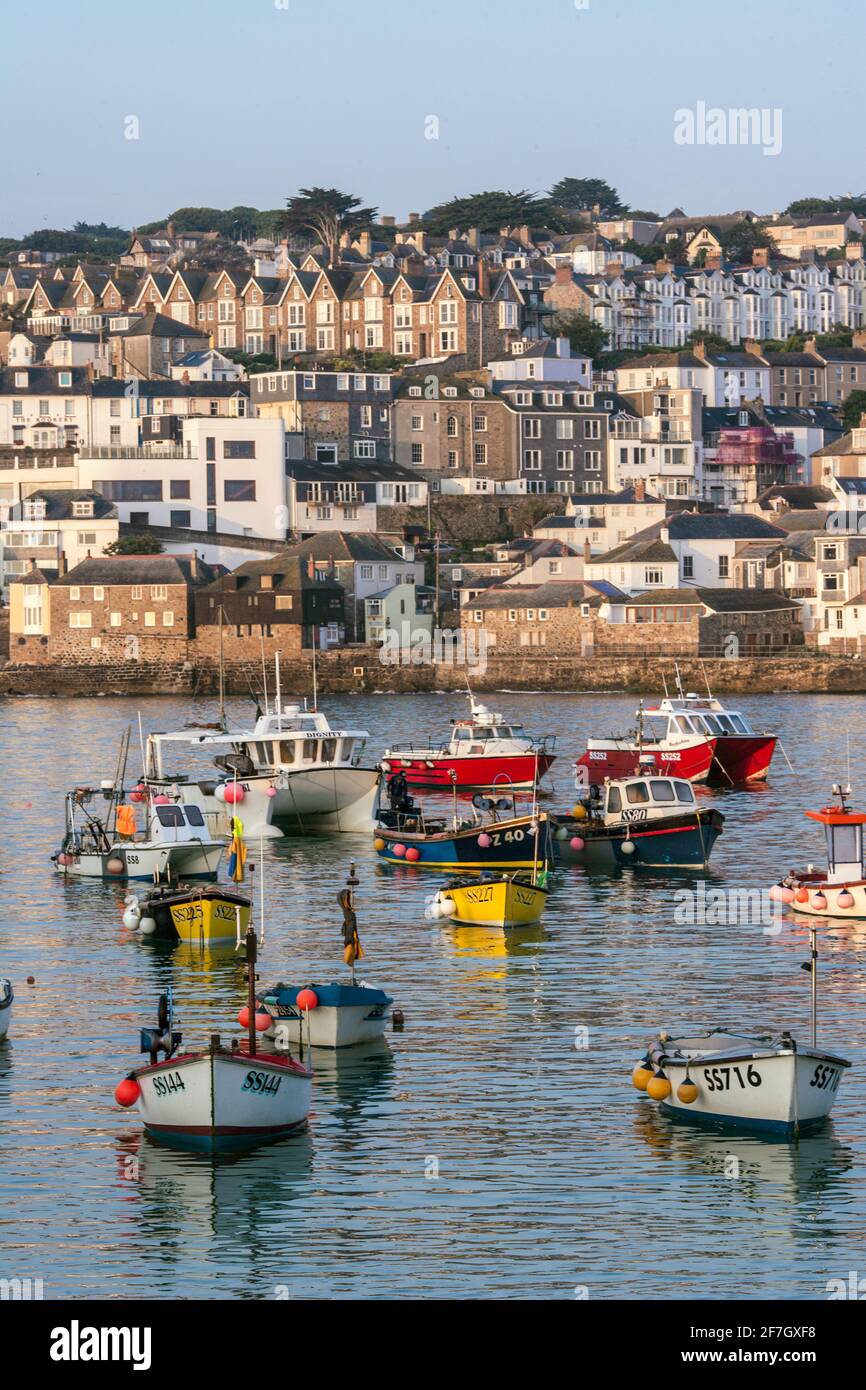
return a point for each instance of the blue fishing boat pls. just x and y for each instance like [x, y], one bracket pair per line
[505, 840]
[650, 821]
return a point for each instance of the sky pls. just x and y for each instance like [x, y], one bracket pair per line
[246, 101]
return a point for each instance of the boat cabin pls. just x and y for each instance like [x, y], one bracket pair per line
[290, 738]
[645, 798]
[844, 832]
[692, 715]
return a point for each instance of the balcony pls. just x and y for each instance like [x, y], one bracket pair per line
[156, 452]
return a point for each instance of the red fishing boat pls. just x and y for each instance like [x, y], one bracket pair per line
[483, 752]
[689, 736]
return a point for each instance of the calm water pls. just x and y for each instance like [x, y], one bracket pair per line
[553, 1172]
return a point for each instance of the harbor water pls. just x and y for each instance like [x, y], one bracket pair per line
[495, 1148]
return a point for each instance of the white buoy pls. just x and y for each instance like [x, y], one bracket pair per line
[447, 907]
[147, 926]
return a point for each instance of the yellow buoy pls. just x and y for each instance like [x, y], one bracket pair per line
[687, 1091]
[641, 1075]
[579, 811]
[658, 1086]
[378, 844]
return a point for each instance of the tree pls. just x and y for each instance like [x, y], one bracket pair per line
[142, 543]
[854, 407]
[582, 195]
[326, 213]
[219, 254]
[490, 212]
[713, 342]
[740, 240]
[587, 338]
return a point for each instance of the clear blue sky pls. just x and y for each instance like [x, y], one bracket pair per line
[241, 101]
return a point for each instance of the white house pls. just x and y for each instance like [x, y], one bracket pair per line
[55, 529]
[549, 359]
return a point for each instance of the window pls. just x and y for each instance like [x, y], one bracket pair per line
[87, 538]
[178, 488]
[565, 429]
[543, 615]
[115, 619]
[137, 591]
[532, 460]
[178, 518]
[366, 571]
[239, 449]
[417, 422]
[79, 619]
[158, 591]
[365, 448]
[688, 567]
[98, 594]
[723, 566]
[121, 490]
[74, 594]
[239, 490]
[653, 576]
[565, 460]
[417, 453]
[532, 429]
[480, 454]
[592, 429]
[168, 618]
[480, 423]
[150, 620]
[82, 508]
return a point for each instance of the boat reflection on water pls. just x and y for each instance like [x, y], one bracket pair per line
[178, 1196]
[494, 943]
[747, 1164]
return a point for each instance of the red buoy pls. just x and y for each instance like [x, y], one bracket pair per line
[244, 1017]
[307, 999]
[127, 1091]
[263, 1022]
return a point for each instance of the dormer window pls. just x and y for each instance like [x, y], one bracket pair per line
[414, 390]
[21, 378]
[450, 391]
[83, 508]
[64, 378]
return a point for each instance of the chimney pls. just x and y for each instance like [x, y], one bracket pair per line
[613, 268]
[664, 267]
[388, 221]
[854, 251]
[483, 278]
[587, 551]
[524, 234]
[564, 275]
[862, 424]
[61, 564]
[713, 260]
[640, 490]
[414, 217]
[365, 244]
[473, 236]
[858, 339]
[311, 567]
[700, 349]
[753, 346]
[811, 345]
[454, 234]
[665, 535]
[761, 255]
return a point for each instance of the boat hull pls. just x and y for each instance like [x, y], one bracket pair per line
[513, 844]
[779, 1093]
[682, 842]
[616, 758]
[741, 758]
[6, 997]
[218, 1101]
[209, 915]
[318, 801]
[476, 773]
[185, 860]
[816, 888]
[345, 1016]
[504, 903]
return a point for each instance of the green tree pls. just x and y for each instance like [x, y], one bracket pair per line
[854, 407]
[325, 213]
[582, 195]
[490, 212]
[586, 337]
[141, 543]
[739, 241]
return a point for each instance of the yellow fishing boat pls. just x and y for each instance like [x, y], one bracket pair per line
[209, 913]
[493, 900]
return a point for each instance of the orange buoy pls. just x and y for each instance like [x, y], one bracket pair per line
[687, 1091]
[641, 1075]
[658, 1086]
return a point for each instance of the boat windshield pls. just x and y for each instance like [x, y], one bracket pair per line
[655, 728]
[661, 789]
[739, 724]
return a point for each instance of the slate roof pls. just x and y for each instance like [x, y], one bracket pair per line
[345, 546]
[138, 569]
[652, 549]
[746, 600]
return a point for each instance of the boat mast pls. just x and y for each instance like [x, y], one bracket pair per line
[278, 699]
[812, 965]
[315, 684]
[222, 683]
[264, 671]
[251, 986]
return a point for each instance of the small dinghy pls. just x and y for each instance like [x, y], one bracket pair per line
[642, 820]
[217, 1099]
[768, 1084]
[491, 900]
[7, 994]
[332, 1015]
[840, 891]
[205, 914]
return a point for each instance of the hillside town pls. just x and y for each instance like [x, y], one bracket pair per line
[643, 435]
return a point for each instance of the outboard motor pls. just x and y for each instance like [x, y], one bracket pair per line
[164, 1037]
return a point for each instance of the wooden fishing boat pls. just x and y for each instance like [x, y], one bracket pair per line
[491, 900]
[768, 1083]
[202, 914]
[503, 841]
[149, 842]
[7, 995]
[643, 820]
[482, 752]
[840, 889]
[336, 1014]
[217, 1098]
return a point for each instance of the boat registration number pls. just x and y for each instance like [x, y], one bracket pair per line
[169, 1084]
[261, 1083]
[639, 813]
[505, 837]
[479, 895]
[826, 1078]
[719, 1078]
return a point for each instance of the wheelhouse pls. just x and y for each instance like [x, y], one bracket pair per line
[647, 798]
[844, 834]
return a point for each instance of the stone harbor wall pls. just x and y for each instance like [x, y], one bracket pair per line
[360, 671]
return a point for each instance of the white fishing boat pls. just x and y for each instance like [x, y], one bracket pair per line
[338, 1014]
[291, 771]
[123, 841]
[7, 994]
[217, 1098]
[840, 889]
[766, 1083]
